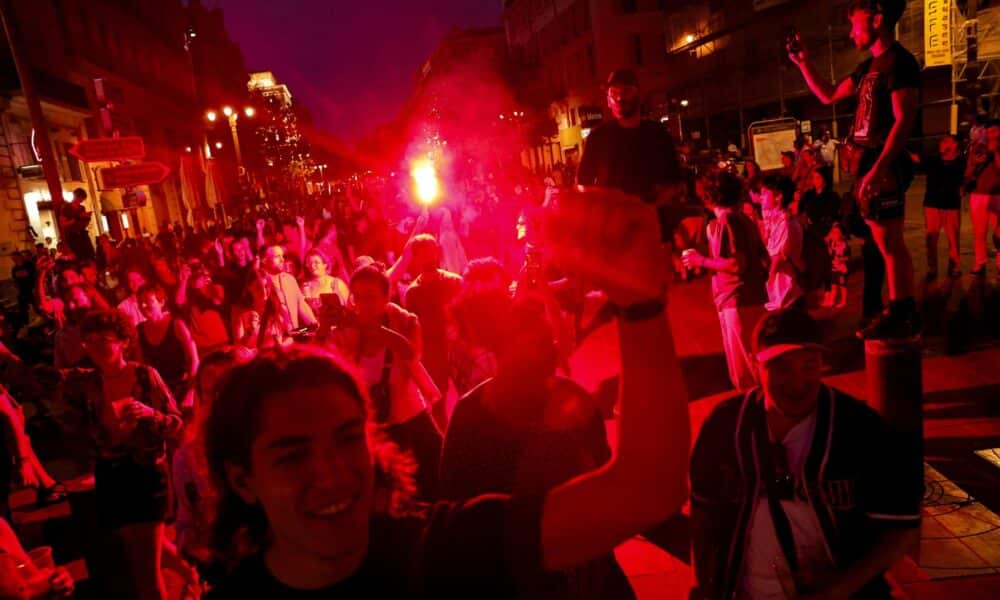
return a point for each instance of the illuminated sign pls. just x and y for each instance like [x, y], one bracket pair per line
[937, 33]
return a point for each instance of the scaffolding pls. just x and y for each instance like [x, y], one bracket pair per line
[984, 72]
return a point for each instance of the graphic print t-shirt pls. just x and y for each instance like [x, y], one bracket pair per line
[875, 80]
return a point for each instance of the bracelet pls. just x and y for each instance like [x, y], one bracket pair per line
[641, 311]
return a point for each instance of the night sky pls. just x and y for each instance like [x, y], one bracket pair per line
[350, 62]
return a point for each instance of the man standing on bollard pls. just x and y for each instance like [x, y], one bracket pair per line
[888, 89]
[798, 490]
[630, 154]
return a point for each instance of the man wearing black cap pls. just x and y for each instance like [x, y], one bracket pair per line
[628, 153]
[887, 86]
[797, 490]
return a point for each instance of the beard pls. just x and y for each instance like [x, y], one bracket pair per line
[626, 109]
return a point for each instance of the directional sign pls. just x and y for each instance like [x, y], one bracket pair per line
[129, 176]
[105, 149]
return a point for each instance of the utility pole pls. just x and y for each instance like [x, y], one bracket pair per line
[13, 32]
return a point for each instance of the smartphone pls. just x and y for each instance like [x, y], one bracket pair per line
[792, 41]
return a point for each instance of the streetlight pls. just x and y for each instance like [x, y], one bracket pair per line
[232, 116]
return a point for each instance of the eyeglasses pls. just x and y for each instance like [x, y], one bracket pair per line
[96, 339]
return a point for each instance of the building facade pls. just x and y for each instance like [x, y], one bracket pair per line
[710, 68]
[141, 53]
[574, 45]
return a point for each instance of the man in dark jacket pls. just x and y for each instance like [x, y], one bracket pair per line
[797, 488]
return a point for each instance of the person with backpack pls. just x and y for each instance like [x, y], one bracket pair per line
[739, 263]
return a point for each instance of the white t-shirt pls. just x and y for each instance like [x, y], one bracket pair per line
[130, 306]
[763, 549]
[827, 151]
[405, 401]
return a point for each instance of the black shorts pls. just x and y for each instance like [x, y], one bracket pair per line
[129, 493]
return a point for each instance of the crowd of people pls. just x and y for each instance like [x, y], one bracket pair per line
[268, 399]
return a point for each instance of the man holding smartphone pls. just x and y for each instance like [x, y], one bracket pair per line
[888, 89]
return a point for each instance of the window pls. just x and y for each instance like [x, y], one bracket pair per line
[630, 6]
[637, 49]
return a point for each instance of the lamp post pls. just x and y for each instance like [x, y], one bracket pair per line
[232, 116]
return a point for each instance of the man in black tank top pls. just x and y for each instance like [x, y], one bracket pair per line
[887, 86]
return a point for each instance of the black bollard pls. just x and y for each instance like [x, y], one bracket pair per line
[895, 385]
[895, 390]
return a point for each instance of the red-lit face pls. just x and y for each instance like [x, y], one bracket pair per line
[135, 281]
[948, 147]
[105, 348]
[316, 265]
[818, 181]
[864, 28]
[151, 306]
[77, 302]
[623, 100]
[770, 199]
[312, 473]
[369, 301]
[90, 274]
[274, 260]
[786, 160]
[792, 382]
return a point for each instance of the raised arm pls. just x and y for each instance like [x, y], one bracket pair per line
[646, 481]
[300, 224]
[182, 283]
[825, 91]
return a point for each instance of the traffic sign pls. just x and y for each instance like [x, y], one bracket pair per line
[105, 149]
[129, 176]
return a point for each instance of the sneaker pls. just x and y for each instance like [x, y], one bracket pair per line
[954, 272]
[888, 326]
[979, 271]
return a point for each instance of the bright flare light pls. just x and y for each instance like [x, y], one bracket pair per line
[249, 111]
[227, 110]
[212, 115]
[425, 179]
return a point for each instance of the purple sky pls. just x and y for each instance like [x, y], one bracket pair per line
[350, 62]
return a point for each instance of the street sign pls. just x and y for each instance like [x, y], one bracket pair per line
[129, 176]
[105, 149]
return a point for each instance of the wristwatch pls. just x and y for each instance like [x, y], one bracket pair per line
[641, 311]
